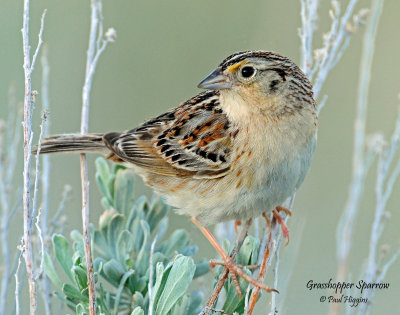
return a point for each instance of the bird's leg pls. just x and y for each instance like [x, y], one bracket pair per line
[237, 224]
[233, 268]
[285, 229]
[224, 274]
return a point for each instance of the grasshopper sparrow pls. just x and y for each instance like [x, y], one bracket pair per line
[232, 152]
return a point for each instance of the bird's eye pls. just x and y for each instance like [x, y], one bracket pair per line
[248, 72]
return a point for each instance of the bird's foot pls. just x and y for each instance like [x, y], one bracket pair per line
[236, 270]
[233, 268]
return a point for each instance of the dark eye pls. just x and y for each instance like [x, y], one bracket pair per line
[247, 72]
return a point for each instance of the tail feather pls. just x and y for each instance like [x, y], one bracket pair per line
[72, 143]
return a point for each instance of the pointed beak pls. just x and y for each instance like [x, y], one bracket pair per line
[215, 81]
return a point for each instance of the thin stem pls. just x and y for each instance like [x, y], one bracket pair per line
[17, 285]
[224, 274]
[45, 179]
[150, 286]
[27, 127]
[346, 224]
[93, 54]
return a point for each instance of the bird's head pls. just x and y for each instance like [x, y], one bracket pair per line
[266, 81]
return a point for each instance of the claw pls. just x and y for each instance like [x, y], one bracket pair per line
[264, 214]
[283, 209]
[233, 268]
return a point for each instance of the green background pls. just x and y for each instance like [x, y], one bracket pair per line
[163, 49]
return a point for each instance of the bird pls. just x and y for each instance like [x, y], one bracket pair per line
[232, 152]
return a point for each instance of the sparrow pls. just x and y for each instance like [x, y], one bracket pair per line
[233, 152]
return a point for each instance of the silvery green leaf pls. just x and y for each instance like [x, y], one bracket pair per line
[121, 288]
[232, 302]
[133, 222]
[162, 227]
[157, 257]
[138, 311]
[247, 255]
[178, 280]
[226, 245]
[110, 187]
[101, 246]
[76, 236]
[80, 310]
[79, 249]
[124, 246]
[105, 219]
[80, 277]
[202, 268]
[248, 252]
[138, 298]
[124, 191]
[141, 262]
[194, 306]
[114, 270]
[98, 264]
[158, 209]
[63, 254]
[115, 226]
[103, 188]
[73, 293]
[161, 279]
[141, 203]
[142, 283]
[179, 308]
[190, 250]
[104, 179]
[69, 303]
[178, 240]
[103, 169]
[105, 203]
[50, 270]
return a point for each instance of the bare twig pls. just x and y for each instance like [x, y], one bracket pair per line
[93, 53]
[27, 124]
[372, 273]
[346, 224]
[308, 19]
[17, 282]
[45, 285]
[150, 286]
[270, 247]
[37, 169]
[334, 44]
[224, 274]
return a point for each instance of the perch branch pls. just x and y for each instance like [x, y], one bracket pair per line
[224, 274]
[93, 53]
[45, 178]
[27, 127]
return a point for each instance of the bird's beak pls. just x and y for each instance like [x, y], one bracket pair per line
[215, 81]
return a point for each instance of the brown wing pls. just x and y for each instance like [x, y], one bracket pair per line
[192, 140]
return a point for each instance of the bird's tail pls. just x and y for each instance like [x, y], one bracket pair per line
[89, 143]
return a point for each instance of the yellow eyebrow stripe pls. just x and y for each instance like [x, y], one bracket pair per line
[237, 65]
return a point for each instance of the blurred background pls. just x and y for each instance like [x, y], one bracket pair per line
[163, 50]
